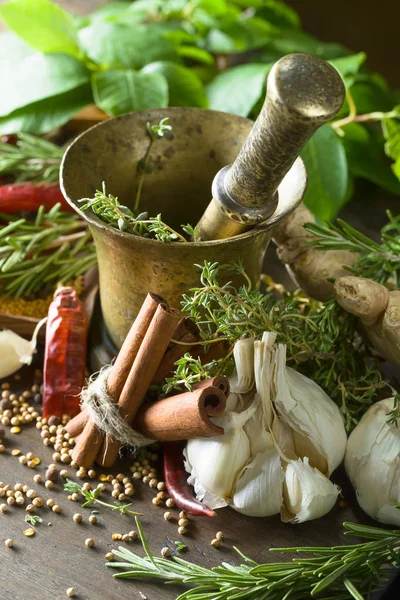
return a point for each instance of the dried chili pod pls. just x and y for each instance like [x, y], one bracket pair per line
[29, 196]
[175, 478]
[65, 354]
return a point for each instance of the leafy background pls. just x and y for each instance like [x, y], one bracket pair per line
[128, 56]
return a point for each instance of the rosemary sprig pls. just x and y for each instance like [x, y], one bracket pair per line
[322, 340]
[347, 571]
[377, 261]
[92, 497]
[110, 210]
[36, 255]
[33, 519]
[32, 159]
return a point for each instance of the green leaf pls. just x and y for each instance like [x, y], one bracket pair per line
[110, 11]
[119, 92]
[41, 76]
[123, 46]
[327, 172]
[196, 54]
[294, 40]
[240, 35]
[348, 66]
[277, 13]
[237, 90]
[40, 117]
[391, 132]
[42, 24]
[13, 51]
[185, 88]
[366, 159]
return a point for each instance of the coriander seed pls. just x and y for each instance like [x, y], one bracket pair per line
[165, 552]
[71, 592]
[182, 530]
[50, 503]
[56, 508]
[170, 503]
[219, 535]
[133, 535]
[77, 518]
[183, 522]
[89, 542]
[168, 516]
[215, 543]
[9, 543]
[92, 519]
[109, 556]
[116, 537]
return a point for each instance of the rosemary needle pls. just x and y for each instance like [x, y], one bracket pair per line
[346, 571]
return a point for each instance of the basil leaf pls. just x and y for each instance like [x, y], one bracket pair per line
[348, 67]
[123, 46]
[185, 88]
[40, 76]
[294, 40]
[236, 35]
[237, 90]
[41, 117]
[42, 24]
[110, 11]
[275, 12]
[391, 131]
[366, 157]
[196, 54]
[13, 51]
[119, 92]
[327, 171]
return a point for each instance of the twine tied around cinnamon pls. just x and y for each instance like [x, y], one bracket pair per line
[105, 414]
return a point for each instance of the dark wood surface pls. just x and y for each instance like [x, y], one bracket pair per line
[44, 566]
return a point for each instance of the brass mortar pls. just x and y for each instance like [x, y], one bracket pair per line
[183, 165]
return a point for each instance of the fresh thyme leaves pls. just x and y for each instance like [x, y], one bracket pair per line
[32, 519]
[322, 340]
[180, 546]
[31, 159]
[35, 255]
[110, 210]
[92, 496]
[154, 132]
[378, 261]
[352, 571]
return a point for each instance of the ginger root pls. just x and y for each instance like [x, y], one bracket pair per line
[309, 268]
[378, 310]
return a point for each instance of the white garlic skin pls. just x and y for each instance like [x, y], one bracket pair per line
[14, 352]
[372, 463]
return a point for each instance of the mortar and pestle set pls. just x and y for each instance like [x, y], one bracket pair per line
[254, 171]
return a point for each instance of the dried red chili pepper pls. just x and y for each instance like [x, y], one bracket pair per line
[175, 478]
[65, 354]
[24, 197]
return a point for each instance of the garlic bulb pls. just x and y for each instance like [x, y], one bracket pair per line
[15, 351]
[308, 494]
[372, 463]
[283, 436]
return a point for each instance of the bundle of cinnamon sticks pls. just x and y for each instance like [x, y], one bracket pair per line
[146, 358]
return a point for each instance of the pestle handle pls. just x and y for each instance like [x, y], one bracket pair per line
[303, 93]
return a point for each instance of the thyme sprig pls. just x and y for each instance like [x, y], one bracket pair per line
[322, 339]
[377, 261]
[31, 159]
[92, 497]
[36, 255]
[110, 210]
[348, 571]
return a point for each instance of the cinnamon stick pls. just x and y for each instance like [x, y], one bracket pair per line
[182, 417]
[185, 332]
[91, 439]
[151, 351]
[218, 381]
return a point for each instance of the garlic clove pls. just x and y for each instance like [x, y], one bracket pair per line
[307, 493]
[214, 462]
[372, 463]
[318, 426]
[260, 438]
[258, 489]
[243, 380]
[263, 370]
[15, 351]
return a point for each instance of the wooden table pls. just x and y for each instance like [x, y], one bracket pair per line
[56, 558]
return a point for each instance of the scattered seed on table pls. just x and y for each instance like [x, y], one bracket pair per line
[29, 532]
[38, 502]
[15, 430]
[71, 592]
[77, 518]
[182, 530]
[52, 473]
[126, 537]
[168, 515]
[9, 543]
[38, 478]
[16, 452]
[92, 519]
[133, 535]
[183, 522]
[89, 542]
[50, 502]
[56, 508]
[165, 552]
[3, 508]
[161, 486]
[170, 503]
[31, 494]
[49, 485]
[109, 556]
[219, 535]
[116, 537]
[30, 508]
[156, 501]
[64, 474]
[215, 543]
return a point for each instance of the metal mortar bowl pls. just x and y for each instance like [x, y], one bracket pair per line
[183, 165]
